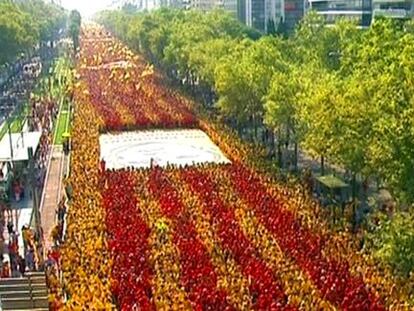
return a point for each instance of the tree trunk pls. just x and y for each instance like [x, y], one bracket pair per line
[255, 129]
[279, 148]
[287, 136]
[353, 186]
[272, 143]
[296, 157]
[322, 165]
[187, 78]
[354, 203]
[365, 187]
[249, 130]
[265, 137]
[211, 96]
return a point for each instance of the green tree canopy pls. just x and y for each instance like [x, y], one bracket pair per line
[25, 23]
[340, 92]
[16, 31]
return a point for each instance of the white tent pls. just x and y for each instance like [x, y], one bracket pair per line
[20, 142]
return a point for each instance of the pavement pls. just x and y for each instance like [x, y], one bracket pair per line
[53, 192]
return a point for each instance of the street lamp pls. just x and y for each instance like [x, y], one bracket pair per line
[10, 141]
[36, 211]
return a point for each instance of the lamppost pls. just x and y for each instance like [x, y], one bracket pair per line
[36, 211]
[10, 141]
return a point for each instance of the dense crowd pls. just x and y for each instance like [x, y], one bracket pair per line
[18, 263]
[13, 263]
[137, 103]
[43, 112]
[234, 207]
[53, 263]
[203, 237]
[15, 82]
[86, 270]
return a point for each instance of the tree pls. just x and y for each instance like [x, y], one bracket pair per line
[318, 116]
[74, 27]
[340, 92]
[49, 18]
[281, 29]
[129, 8]
[309, 37]
[281, 107]
[393, 242]
[231, 85]
[18, 31]
[382, 72]
[243, 79]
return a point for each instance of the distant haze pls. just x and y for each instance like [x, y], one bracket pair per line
[87, 7]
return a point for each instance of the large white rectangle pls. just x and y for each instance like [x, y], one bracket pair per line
[137, 148]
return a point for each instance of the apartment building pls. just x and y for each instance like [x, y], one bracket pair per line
[356, 10]
[393, 8]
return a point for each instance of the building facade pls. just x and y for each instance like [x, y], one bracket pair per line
[230, 6]
[208, 5]
[204, 5]
[294, 10]
[403, 9]
[356, 10]
[275, 12]
[261, 14]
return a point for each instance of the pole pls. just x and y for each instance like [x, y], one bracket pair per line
[322, 165]
[33, 183]
[10, 141]
[22, 136]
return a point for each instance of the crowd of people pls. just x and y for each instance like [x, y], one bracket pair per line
[13, 262]
[215, 237]
[16, 83]
[135, 104]
[83, 269]
[42, 112]
[240, 215]
[57, 231]
[53, 265]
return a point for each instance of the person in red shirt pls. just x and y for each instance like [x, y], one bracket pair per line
[16, 189]
[5, 271]
[54, 254]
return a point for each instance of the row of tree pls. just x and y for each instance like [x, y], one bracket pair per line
[339, 92]
[24, 24]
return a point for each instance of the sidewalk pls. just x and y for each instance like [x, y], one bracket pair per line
[52, 193]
